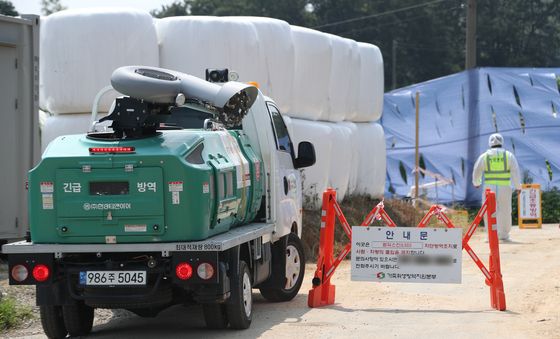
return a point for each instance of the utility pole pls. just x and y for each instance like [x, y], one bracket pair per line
[470, 50]
[394, 65]
[416, 153]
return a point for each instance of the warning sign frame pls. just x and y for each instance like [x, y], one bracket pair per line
[529, 198]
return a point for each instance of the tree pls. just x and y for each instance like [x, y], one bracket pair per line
[51, 6]
[7, 8]
[177, 8]
[292, 11]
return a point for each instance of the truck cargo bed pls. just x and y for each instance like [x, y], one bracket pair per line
[220, 242]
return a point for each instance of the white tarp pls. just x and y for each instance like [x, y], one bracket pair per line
[313, 57]
[81, 48]
[191, 44]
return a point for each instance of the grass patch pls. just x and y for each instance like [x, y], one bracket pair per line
[12, 314]
[355, 209]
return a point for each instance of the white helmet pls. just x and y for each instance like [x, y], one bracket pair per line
[496, 140]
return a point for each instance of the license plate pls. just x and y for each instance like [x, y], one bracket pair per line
[111, 278]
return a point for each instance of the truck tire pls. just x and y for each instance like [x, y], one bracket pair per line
[52, 321]
[215, 316]
[293, 277]
[239, 308]
[78, 319]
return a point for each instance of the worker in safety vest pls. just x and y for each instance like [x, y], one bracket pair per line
[501, 172]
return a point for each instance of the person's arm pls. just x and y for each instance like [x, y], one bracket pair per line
[478, 170]
[514, 171]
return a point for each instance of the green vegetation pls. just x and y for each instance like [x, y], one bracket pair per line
[550, 207]
[7, 8]
[355, 209]
[12, 314]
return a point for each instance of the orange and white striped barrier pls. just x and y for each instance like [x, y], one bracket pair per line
[323, 292]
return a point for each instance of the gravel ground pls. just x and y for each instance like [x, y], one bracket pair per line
[379, 310]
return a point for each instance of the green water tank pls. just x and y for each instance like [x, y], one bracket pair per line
[178, 185]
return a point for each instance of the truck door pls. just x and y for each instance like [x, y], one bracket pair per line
[288, 181]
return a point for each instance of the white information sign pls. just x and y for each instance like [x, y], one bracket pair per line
[406, 254]
[529, 203]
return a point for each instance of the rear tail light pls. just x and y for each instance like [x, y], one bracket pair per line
[19, 273]
[41, 272]
[205, 271]
[184, 271]
[105, 150]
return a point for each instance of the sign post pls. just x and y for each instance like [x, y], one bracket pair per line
[529, 206]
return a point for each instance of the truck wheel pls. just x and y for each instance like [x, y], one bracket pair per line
[78, 319]
[292, 279]
[52, 321]
[215, 316]
[239, 308]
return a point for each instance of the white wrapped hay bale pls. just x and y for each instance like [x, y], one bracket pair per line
[313, 57]
[354, 153]
[370, 102]
[81, 48]
[277, 55]
[65, 124]
[191, 44]
[345, 64]
[315, 178]
[43, 116]
[372, 159]
[341, 159]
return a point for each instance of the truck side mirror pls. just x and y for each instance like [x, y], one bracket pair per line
[306, 155]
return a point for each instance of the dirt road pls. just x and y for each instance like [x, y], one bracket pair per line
[531, 271]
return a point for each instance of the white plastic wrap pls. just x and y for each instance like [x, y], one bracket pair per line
[354, 151]
[372, 159]
[43, 116]
[370, 103]
[315, 178]
[341, 158]
[313, 58]
[191, 44]
[343, 60]
[64, 124]
[277, 53]
[81, 48]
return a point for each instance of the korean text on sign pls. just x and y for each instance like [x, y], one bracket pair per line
[404, 254]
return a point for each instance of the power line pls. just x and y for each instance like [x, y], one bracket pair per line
[378, 14]
[376, 25]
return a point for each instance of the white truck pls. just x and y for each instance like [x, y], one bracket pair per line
[148, 214]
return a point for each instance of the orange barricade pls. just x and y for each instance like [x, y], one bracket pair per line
[323, 292]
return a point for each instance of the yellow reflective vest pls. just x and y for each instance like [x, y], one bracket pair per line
[497, 170]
